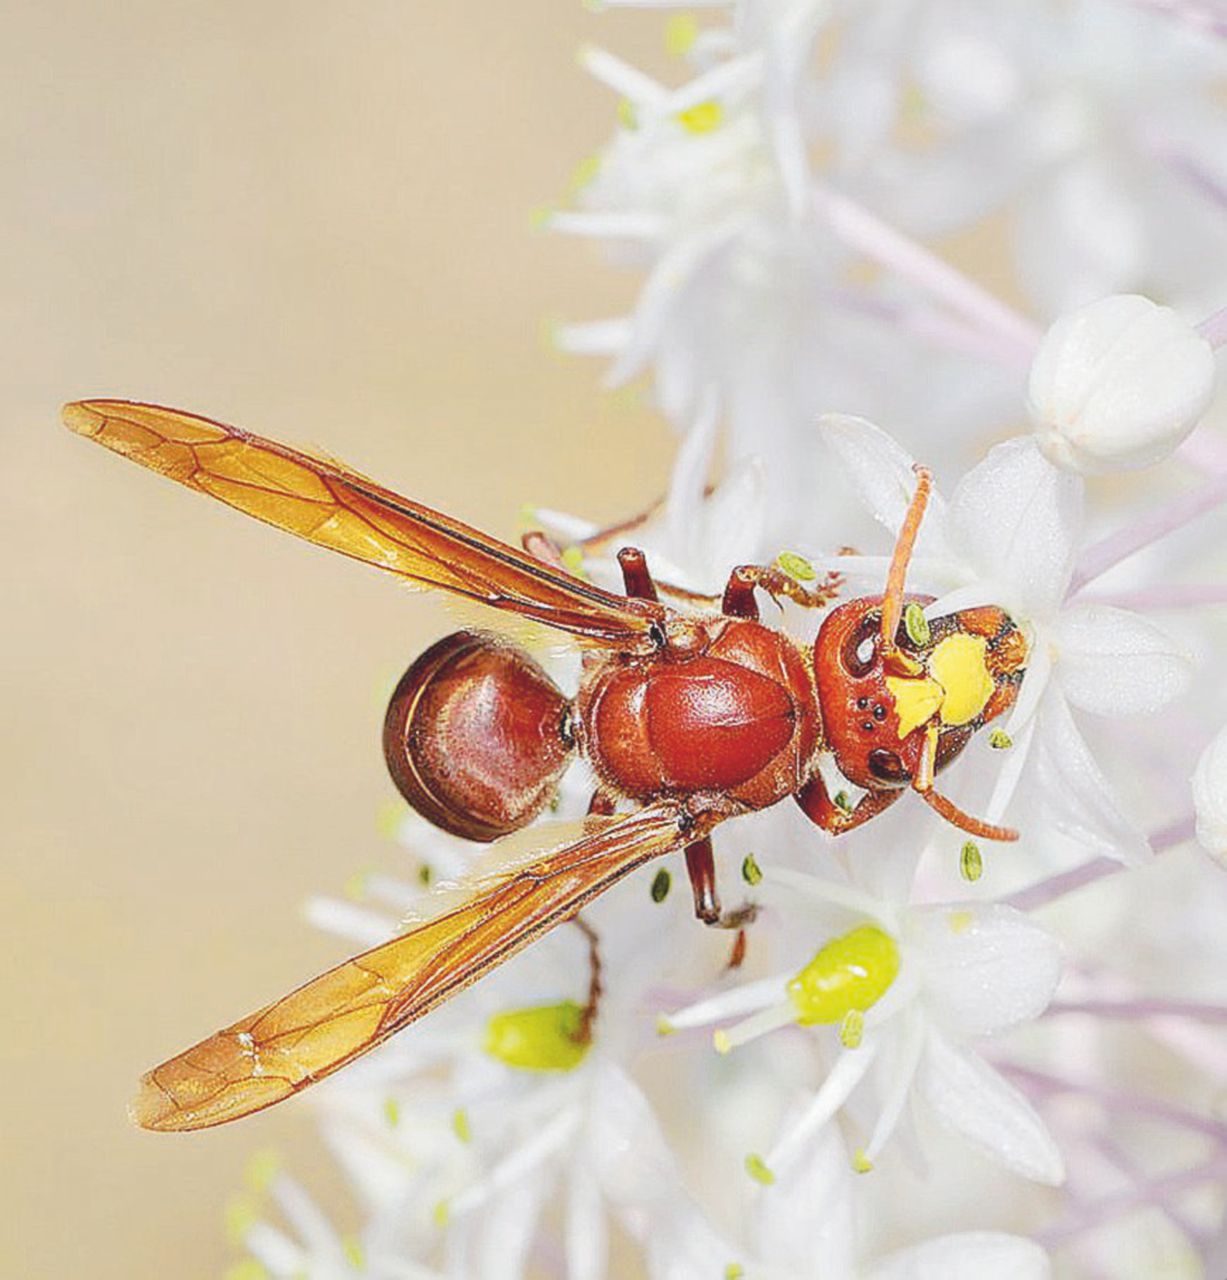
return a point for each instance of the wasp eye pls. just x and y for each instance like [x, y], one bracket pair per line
[886, 766]
[861, 647]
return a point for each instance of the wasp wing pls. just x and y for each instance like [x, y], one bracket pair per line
[325, 502]
[338, 1016]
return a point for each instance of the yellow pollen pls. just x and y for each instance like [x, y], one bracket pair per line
[757, 1168]
[540, 1038]
[241, 1215]
[917, 700]
[681, 31]
[721, 1042]
[664, 1027]
[573, 559]
[852, 1029]
[796, 566]
[460, 1125]
[959, 664]
[352, 1247]
[861, 1162]
[852, 972]
[703, 117]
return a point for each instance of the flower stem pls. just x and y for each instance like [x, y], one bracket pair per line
[864, 230]
[1110, 551]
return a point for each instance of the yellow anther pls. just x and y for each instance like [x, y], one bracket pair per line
[664, 1027]
[247, 1269]
[721, 1042]
[796, 566]
[355, 886]
[573, 559]
[734, 1271]
[460, 1125]
[389, 818]
[262, 1168]
[960, 921]
[681, 31]
[626, 114]
[354, 1252]
[391, 1111]
[542, 1038]
[851, 972]
[703, 117]
[917, 700]
[756, 1167]
[442, 1212]
[585, 172]
[861, 1163]
[241, 1215]
[959, 664]
[999, 740]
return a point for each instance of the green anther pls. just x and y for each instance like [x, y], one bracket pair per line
[703, 117]
[999, 740]
[851, 972]
[796, 566]
[354, 1252]
[756, 1167]
[626, 114]
[751, 872]
[681, 31]
[852, 1029]
[460, 1125]
[660, 885]
[425, 874]
[916, 624]
[541, 1038]
[971, 864]
[841, 801]
[391, 1111]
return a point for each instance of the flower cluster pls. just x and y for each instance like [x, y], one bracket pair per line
[917, 1055]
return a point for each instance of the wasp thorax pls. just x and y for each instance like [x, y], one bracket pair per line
[476, 736]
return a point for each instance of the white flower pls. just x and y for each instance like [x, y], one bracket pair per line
[1210, 798]
[906, 987]
[1118, 384]
[1010, 536]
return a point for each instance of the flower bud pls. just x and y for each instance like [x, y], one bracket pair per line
[1118, 384]
[1210, 798]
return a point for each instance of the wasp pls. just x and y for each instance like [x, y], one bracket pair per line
[687, 718]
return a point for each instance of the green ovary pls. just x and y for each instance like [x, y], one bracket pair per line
[543, 1038]
[852, 972]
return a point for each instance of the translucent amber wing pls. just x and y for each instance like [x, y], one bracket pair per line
[352, 1008]
[326, 503]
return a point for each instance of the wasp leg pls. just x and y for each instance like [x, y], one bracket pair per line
[892, 602]
[923, 786]
[635, 574]
[588, 1016]
[817, 805]
[739, 602]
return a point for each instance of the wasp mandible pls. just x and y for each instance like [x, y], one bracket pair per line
[691, 718]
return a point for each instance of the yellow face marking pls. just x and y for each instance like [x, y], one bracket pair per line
[957, 687]
[959, 664]
[917, 699]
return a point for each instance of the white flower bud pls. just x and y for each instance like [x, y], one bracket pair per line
[1210, 798]
[1118, 384]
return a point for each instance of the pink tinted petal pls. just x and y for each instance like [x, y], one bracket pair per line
[1113, 662]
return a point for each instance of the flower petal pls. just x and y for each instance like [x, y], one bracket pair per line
[1115, 663]
[973, 1100]
[983, 967]
[969, 1255]
[1016, 517]
[1076, 797]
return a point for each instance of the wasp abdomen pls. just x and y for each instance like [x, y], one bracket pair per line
[476, 736]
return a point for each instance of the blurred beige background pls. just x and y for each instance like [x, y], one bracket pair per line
[313, 220]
